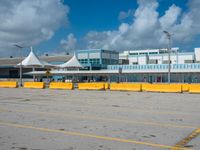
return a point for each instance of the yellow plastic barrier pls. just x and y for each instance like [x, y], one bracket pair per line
[8, 84]
[145, 86]
[125, 86]
[106, 85]
[91, 86]
[61, 85]
[194, 88]
[171, 88]
[35, 85]
[185, 87]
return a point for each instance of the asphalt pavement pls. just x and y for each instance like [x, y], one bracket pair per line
[45, 119]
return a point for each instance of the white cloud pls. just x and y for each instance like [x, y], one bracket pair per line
[29, 22]
[129, 35]
[69, 43]
[146, 29]
[170, 17]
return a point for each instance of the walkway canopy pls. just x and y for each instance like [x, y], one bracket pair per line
[73, 63]
[48, 65]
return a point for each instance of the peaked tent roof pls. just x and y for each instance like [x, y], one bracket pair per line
[72, 63]
[31, 60]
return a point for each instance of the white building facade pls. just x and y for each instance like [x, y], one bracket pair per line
[160, 56]
[133, 66]
[152, 65]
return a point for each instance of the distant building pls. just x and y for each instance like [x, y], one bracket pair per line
[129, 66]
[91, 59]
[95, 59]
[152, 65]
[159, 56]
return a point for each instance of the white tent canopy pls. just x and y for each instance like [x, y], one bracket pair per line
[72, 63]
[31, 60]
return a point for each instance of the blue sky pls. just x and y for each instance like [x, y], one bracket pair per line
[101, 15]
[54, 27]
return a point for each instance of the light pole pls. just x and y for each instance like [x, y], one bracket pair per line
[168, 35]
[20, 74]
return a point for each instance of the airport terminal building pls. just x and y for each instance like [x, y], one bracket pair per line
[150, 65]
[10, 70]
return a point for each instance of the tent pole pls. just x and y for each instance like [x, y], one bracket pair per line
[33, 69]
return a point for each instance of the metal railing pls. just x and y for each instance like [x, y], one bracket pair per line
[154, 67]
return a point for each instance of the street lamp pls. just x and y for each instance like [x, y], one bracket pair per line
[168, 35]
[20, 74]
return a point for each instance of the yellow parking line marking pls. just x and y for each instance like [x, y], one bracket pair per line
[187, 139]
[109, 119]
[88, 135]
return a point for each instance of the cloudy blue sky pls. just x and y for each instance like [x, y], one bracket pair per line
[60, 26]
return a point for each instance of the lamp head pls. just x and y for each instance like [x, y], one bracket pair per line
[167, 34]
[18, 46]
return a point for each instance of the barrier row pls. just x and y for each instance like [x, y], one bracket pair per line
[171, 88]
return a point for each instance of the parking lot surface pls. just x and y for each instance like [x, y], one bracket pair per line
[44, 119]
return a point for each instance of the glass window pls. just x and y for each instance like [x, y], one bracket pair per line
[143, 53]
[133, 54]
[153, 52]
[94, 61]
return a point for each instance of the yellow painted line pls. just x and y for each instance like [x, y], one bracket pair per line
[198, 130]
[187, 139]
[122, 120]
[88, 135]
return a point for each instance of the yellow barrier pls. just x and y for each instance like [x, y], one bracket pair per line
[8, 84]
[194, 88]
[125, 86]
[106, 85]
[91, 86]
[185, 87]
[61, 85]
[35, 85]
[171, 88]
[145, 86]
